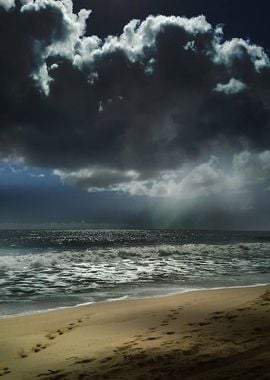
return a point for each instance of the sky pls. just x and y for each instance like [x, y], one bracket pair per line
[147, 113]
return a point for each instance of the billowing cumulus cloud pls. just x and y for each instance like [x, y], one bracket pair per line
[132, 112]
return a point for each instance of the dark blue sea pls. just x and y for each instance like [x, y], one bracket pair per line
[42, 270]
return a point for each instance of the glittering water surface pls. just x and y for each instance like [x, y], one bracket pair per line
[47, 269]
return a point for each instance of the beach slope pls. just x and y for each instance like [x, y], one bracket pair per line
[213, 334]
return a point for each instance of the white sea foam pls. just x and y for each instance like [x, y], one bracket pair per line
[167, 293]
[51, 274]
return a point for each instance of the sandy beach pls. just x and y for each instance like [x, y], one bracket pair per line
[213, 334]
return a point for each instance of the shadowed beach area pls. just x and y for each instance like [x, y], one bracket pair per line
[212, 334]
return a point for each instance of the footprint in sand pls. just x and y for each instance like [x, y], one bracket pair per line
[121, 348]
[84, 361]
[218, 313]
[203, 323]
[175, 311]
[216, 317]
[50, 336]
[170, 333]
[5, 371]
[152, 338]
[127, 345]
[22, 354]
[35, 349]
[61, 331]
[38, 347]
[243, 308]
[231, 317]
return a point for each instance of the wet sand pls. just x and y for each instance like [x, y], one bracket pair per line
[214, 334]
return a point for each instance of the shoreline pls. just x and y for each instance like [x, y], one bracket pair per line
[127, 298]
[193, 335]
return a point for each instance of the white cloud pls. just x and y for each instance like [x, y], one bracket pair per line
[95, 179]
[234, 86]
[206, 180]
[137, 42]
[228, 52]
[7, 4]
[201, 181]
[75, 27]
[236, 185]
[43, 78]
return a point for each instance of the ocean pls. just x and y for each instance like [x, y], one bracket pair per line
[44, 270]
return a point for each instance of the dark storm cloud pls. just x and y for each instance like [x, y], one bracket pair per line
[125, 108]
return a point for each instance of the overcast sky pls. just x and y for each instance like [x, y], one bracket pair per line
[150, 114]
